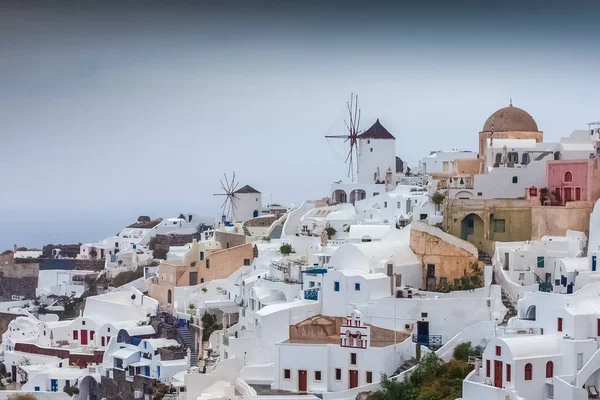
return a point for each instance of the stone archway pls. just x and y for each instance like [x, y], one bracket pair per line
[339, 196]
[472, 224]
[357, 195]
[89, 388]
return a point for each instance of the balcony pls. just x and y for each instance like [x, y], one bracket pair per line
[427, 340]
[455, 183]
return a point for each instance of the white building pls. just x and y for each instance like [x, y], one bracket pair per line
[144, 359]
[554, 356]
[247, 204]
[376, 172]
[325, 366]
[443, 161]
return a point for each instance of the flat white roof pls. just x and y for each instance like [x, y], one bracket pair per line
[272, 308]
[512, 143]
[162, 342]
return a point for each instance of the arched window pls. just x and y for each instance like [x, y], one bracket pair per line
[169, 296]
[568, 177]
[528, 371]
[549, 369]
[498, 158]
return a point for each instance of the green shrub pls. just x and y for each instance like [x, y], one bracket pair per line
[286, 249]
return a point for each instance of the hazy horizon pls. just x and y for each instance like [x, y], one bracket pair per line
[113, 111]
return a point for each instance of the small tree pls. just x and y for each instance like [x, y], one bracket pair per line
[330, 232]
[22, 396]
[160, 253]
[437, 199]
[286, 249]
[93, 253]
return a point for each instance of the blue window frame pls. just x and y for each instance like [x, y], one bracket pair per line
[357, 286]
[540, 262]
[37, 389]
[336, 286]
[158, 371]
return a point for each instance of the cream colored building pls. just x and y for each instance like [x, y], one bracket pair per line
[201, 263]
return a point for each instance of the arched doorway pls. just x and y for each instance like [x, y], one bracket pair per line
[339, 196]
[255, 214]
[169, 296]
[530, 313]
[472, 224]
[357, 195]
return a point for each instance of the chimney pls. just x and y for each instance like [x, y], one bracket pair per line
[14, 248]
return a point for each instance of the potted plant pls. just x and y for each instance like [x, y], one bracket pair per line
[437, 199]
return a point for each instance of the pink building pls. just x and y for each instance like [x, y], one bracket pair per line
[574, 180]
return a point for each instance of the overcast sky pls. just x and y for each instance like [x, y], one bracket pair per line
[109, 112]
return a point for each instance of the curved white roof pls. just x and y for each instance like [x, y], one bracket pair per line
[532, 346]
[573, 264]
[357, 232]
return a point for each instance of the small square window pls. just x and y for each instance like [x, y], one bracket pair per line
[338, 374]
[318, 376]
[352, 358]
[369, 377]
[515, 179]
[521, 276]
[430, 269]
[423, 315]
[479, 194]
[357, 287]
[287, 374]
[499, 225]
[336, 286]
[82, 322]
[246, 261]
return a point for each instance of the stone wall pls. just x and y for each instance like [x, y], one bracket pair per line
[13, 286]
[5, 319]
[66, 250]
[229, 240]
[264, 222]
[171, 353]
[327, 328]
[79, 360]
[70, 264]
[175, 240]
[555, 221]
[450, 261]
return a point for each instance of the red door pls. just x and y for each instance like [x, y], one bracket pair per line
[302, 381]
[568, 193]
[84, 336]
[498, 374]
[353, 379]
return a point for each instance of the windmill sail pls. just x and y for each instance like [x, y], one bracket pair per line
[352, 126]
[228, 206]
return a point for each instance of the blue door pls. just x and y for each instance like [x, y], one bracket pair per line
[158, 371]
[593, 263]
[54, 385]
[147, 370]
